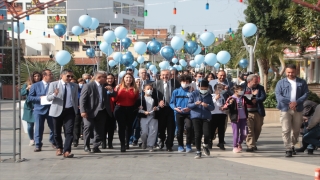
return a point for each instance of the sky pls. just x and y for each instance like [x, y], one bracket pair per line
[192, 15]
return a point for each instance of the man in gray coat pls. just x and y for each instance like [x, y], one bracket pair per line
[93, 103]
[64, 97]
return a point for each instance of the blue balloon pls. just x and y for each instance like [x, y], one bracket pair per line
[85, 21]
[21, 27]
[140, 59]
[192, 63]
[249, 29]
[127, 59]
[121, 32]
[148, 65]
[94, 23]
[152, 67]
[223, 57]
[90, 52]
[112, 63]
[183, 63]
[174, 60]
[243, 63]
[210, 59]
[109, 36]
[76, 30]
[217, 66]
[140, 47]
[191, 47]
[63, 57]
[178, 67]
[125, 42]
[135, 64]
[122, 73]
[171, 68]
[176, 43]
[167, 52]
[106, 48]
[117, 56]
[154, 46]
[199, 59]
[197, 51]
[164, 65]
[207, 38]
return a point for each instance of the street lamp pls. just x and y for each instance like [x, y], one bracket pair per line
[249, 30]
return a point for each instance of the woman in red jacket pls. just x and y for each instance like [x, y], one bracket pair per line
[126, 109]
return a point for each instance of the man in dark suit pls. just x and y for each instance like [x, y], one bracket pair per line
[163, 89]
[41, 112]
[93, 104]
[64, 97]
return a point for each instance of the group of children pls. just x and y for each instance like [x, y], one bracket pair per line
[198, 111]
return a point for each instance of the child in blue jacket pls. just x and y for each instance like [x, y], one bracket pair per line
[179, 103]
[201, 105]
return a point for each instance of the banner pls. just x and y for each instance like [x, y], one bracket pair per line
[51, 20]
[31, 5]
[58, 9]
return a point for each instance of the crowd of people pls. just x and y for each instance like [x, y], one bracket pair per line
[156, 109]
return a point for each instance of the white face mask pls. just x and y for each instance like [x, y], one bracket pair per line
[149, 92]
[241, 93]
[87, 80]
[223, 91]
[184, 85]
[199, 79]
[80, 85]
[203, 91]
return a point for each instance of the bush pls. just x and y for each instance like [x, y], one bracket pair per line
[271, 101]
[313, 97]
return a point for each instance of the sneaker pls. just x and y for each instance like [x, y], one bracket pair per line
[143, 146]
[31, 143]
[180, 149]
[205, 150]
[255, 148]
[240, 147]
[150, 148]
[236, 150]
[188, 148]
[310, 151]
[294, 151]
[288, 154]
[198, 155]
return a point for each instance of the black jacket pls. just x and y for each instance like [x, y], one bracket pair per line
[233, 108]
[144, 105]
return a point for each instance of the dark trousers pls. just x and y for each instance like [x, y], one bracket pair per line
[166, 122]
[78, 128]
[109, 128]
[94, 125]
[125, 116]
[218, 121]
[184, 122]
[136, 130]
[65, 120]
[201, 127]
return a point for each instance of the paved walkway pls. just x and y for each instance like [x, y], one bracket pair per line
[267, 163]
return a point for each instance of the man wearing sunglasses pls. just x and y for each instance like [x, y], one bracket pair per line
[64, 97]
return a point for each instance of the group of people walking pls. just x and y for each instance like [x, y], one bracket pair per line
[156, 110]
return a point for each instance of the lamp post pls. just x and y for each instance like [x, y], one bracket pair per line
[248, 30]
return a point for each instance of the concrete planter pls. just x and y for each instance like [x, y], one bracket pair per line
[272, 115]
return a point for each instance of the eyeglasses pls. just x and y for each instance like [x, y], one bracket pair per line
[129, 69]
[69, 76]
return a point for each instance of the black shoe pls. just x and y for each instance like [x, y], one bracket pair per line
[294, 151]
[103, 145]
[198, 155]
[169, 149]
[123, 148]
[75, 144]
[96, 150]
[218, 145]
[205, 150]
[288, 154]
[37, 150]
[255, 148]
[222, 147]
[250, 149]
[161, 145]
[134, 143]
[310, 151]
[300, 150]
[87, 149]
[210, 145]
[110, 146]
[127, 147]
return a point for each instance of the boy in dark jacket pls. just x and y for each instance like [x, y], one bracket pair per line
[201, 105]
[179, 103]
[237, 105]
[148, 114]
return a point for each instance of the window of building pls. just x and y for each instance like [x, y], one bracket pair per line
[117, 7]
[125, 8]
[73, 45]
[140, 11]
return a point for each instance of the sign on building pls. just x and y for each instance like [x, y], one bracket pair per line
[51, 20]
[58, 9]
[32, 5]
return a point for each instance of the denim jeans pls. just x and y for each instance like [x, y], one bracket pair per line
[39, 128]
[136, 131]
[312, 137]
[30, 130]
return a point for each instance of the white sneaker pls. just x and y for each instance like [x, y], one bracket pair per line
[150, 148]
[31, 143]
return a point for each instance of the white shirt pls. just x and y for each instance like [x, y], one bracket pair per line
[293, 96]
[69, 99]
[217, 104]
[100, 92]
[45, 84]
[165, 84]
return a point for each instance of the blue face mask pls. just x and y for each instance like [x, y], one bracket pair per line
[200, 79]
[80, 86]
[87, 80]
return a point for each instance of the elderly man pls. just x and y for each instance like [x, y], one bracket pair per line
[254, 91]
[222, 79]
[86, 77]
[291, 92]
